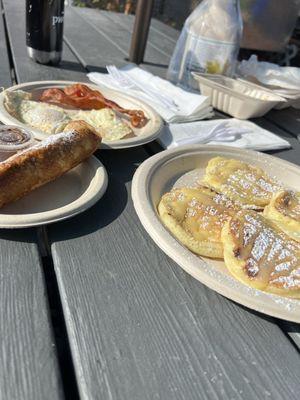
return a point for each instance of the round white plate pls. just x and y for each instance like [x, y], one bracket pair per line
[144, 135]
[63, 198]
[158, 174]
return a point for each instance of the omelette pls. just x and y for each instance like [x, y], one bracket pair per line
[244, 184]
[105, 121]
[284, 211]
[195, 216]
[260, 255]
[51, 119]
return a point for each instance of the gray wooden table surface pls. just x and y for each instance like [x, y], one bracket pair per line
[133, 325]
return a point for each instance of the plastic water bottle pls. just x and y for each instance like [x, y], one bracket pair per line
[209, 42]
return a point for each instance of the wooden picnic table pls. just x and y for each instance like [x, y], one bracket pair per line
[90, 307]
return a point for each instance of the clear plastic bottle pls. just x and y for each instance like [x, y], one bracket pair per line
[209, 42]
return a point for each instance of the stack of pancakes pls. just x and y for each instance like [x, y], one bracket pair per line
[240, 214]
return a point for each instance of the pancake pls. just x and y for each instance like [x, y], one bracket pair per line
[260, 255]
[195, 216]
[284, 210]
[244, 184]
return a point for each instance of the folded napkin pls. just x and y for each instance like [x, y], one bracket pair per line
[270, 74]
[190, 106]
[243, 134]
[283, 81]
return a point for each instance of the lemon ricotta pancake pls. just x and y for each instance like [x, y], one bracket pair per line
[195, 216]
[244, 184]
[260, 255]
[284, 210]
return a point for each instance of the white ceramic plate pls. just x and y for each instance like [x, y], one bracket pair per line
[144, 135]
[158, 174]
[63, 198]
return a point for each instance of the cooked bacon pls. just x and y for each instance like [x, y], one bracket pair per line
[82, 97]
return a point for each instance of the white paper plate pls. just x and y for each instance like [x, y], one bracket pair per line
[63, 198]
[158, 174]
[144, 135]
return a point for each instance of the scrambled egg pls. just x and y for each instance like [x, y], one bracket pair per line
[51, 119]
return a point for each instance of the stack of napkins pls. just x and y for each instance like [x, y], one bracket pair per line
[189, 106]
[243, 134]
[183, 121]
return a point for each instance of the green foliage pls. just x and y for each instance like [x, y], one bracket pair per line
[114, 5]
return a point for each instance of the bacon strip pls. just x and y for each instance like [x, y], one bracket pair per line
[82, 97]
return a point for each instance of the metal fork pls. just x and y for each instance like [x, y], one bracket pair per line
[128, 83]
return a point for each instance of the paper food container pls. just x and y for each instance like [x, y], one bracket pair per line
[236, 97]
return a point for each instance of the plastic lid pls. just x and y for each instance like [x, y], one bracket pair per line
[13, 138]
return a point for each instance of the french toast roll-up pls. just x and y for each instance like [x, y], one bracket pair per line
[46, 161]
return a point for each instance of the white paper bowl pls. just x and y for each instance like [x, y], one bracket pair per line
[158, 174]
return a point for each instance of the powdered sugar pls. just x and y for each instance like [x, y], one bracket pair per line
[63, 137]
[271, 252]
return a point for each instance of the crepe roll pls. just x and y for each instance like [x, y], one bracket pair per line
[46, 161]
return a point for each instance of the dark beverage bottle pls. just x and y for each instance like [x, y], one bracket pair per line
[44, 30]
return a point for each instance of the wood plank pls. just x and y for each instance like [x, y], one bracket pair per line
[164, 29]
[26, 69]
[93, 44]
[157, 40]
[288, 119]
[141, 328]
[293, 331]
[28, 358]
[28, 362]
[293, 154]
[114, 41]
[5, 77]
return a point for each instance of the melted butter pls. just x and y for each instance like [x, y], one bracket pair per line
[288, 204]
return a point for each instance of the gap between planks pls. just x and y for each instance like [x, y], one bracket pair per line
[8, 47]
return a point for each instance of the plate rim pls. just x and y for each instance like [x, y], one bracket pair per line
[100, 174]
[240, 293]
[6, 118]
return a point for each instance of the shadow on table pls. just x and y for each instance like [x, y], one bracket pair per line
[286, 326]
[103, 213]
[151, 64]
[64, 65]
[72, 66]
[121, 166]
[26, 235]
